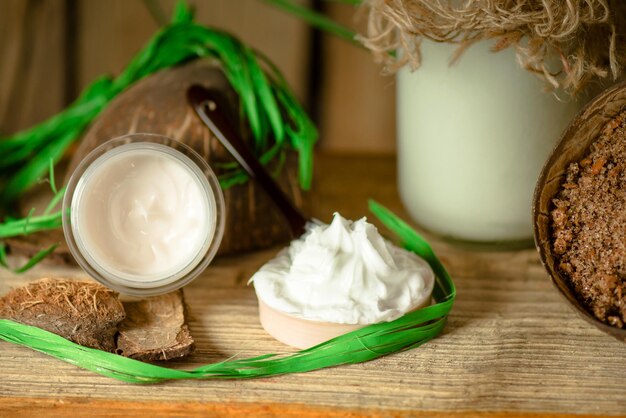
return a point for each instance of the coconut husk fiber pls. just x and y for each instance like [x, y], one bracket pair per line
[155, 329]
[86, 313]
[92, 315]
[586, 37]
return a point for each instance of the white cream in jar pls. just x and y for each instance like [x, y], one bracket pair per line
[144, 218]
[344, 273]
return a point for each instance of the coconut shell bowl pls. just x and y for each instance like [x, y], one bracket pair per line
[158, 104]
[573, 147]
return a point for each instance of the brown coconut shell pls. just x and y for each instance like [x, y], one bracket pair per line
[84, 312]
[573, 146]
[155, 329]
[158, 104]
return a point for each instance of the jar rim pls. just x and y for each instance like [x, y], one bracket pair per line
[123, 282]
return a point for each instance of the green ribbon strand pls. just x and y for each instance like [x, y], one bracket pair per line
[373, 341]
[275, 118]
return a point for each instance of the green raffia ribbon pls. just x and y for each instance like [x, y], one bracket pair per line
[373, 341]
[31, 223]
[275, 118]
[319, 20]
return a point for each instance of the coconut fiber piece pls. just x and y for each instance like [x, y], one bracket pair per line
[155, 329]
[86, 313]
[92, 315]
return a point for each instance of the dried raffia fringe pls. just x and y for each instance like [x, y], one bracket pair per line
[373, 341]
[584, 35]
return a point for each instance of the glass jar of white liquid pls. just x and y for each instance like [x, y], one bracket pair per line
[473, 137]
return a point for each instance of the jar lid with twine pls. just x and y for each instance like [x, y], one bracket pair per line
[584, 35]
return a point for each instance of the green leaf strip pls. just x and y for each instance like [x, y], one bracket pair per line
[318, 20]
[373, 341]
[269, 106]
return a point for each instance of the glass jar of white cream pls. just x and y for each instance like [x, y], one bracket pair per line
[143, 214]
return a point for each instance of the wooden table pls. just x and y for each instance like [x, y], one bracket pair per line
[511, 347]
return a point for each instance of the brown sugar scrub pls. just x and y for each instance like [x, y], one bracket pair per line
[588, 225]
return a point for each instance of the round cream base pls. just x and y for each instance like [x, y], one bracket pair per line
[304, 333]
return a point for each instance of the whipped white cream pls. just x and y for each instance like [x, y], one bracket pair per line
[346, 273]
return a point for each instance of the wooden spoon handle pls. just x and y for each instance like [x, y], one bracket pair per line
[209, 105]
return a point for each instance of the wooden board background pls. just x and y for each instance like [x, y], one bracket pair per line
[357, 111]
[51, 49]
[511, 346]
[32, 61]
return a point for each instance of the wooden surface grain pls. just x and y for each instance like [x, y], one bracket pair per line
[511, 347]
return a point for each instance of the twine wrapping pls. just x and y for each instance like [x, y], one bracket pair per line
[586, 36]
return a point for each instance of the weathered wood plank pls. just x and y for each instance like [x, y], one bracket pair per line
[511, 343]
[32, 69]
[358, 102]
[112, 32]
[64, 407]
